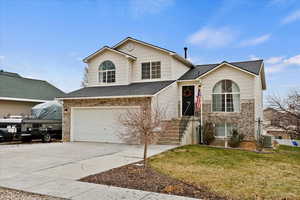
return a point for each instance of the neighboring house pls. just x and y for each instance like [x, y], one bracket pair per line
[134, 73]
[271, 125]
[18, 94]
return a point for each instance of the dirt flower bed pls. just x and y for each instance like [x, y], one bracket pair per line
[134, 176]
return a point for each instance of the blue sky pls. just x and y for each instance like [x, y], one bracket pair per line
[47, 39]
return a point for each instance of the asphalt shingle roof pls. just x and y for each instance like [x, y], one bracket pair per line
[198, 70]
[133, 89]
[12, 85]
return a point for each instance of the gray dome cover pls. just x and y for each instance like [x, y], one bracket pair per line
[51, 110]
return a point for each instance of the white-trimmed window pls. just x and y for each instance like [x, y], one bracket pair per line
[224, 130]
[107, 72]
[151, 70]
[226, 97]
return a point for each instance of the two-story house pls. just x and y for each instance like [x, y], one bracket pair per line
[134, 73]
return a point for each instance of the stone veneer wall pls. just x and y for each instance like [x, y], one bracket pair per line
[244, 120]
[95, 103]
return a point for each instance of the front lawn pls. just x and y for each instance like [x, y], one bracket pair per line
[235, 173]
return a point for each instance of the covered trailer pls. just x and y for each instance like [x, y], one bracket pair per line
[45, 122]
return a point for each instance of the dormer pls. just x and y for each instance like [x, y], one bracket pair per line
[109, 66]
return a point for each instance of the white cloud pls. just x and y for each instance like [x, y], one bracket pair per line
[295, 60]
[294, 16]
[212, 37]
[278, 64]
[79, 59]
[1, 59]
[139, 8]
[197, 60]
[75, 55]
[256, 41]
[274, 60]
[253, 57]
[275, 68]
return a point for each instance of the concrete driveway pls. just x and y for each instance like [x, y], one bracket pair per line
[68, 160]
[52, 169]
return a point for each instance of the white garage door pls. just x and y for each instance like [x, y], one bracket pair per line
[97, 124]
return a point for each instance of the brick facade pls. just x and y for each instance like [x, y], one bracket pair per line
[68, 104]
[244, 120]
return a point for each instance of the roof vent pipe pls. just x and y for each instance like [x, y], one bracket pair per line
[185, 52]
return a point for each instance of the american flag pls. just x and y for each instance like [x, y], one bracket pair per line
[198, 100]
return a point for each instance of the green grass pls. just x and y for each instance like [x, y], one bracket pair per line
[289, 148]
[235, 173]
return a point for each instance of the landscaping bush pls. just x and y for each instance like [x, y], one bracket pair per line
[235, 139]
[260, 143]
[209, 133]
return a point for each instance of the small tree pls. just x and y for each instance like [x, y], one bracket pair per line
[287, 116]
[209, 133]
[84, 81]
[142, 126]
[235, 139]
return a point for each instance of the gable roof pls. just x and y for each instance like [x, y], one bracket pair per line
[9, 74]
[172, 53]
[132, 90]
[253, 67]
[110, 49]
[15, 87]
[141, 42]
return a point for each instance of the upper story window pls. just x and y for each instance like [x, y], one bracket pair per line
[107, 72]
[226, 97]
[151, 70]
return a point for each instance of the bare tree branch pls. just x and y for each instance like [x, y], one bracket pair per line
[142, 125]
[286, 113]
[84, 81]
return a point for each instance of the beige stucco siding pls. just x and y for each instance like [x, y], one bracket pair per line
[170, 68]
[122, 65]
[168, 100]
[245, 81]
[245, 118]
[258, 92]
[15, 107]
[178, 69]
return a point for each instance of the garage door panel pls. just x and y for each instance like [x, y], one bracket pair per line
[97, 124]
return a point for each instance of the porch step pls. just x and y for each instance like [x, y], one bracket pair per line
[175, 130]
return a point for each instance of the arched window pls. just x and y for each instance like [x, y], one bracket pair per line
[107, 72]
[226, 97]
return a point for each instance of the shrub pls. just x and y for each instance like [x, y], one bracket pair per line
[260, 143]
[209, 133]
[235, 139]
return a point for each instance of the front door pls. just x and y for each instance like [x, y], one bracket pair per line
[188, 97]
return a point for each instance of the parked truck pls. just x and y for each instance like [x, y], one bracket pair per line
[44, 123]
[9, 128]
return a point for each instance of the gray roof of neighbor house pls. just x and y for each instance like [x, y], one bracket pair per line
[198, 70]
[12, 85]
[133, 89]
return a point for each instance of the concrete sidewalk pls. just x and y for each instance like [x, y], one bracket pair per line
[71, 189]
[53, 169]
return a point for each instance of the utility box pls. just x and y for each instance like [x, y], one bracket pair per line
[268, 141]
